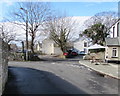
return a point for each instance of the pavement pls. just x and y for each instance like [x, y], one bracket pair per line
[106, 69]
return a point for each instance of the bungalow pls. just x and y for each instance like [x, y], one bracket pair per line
[113, 43]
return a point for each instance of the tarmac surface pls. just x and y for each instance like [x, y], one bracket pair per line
[30, 81]
[54, 76]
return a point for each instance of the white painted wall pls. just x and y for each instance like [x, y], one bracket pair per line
[108, 53]
[57, 51]
[38, 47]
[111, 30]
[79, 45]
[49, 48]
[109, 49]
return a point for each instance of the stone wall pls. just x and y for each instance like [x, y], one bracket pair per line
[3, 65]
[97, 56]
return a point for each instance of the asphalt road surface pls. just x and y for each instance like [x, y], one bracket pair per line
[57, 77]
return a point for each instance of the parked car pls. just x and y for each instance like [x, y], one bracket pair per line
[70, 53]
[19, 51]
[82, 53]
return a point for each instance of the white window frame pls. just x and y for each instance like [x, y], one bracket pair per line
[114, 52]
[113, 31]
[118, 29]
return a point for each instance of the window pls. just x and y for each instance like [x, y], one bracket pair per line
[114, 52]
[118, 30]
[85, 44]
[85, 50]
[113, 32]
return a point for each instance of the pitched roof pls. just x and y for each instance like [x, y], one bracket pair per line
[115, 23]
[81, 39]
[113, 41]
[96, 46]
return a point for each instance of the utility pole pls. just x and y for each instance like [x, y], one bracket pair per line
[26, 32]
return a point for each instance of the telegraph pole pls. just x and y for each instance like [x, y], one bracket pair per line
[26, 32]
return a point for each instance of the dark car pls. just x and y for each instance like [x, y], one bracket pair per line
[70, 53]
[82, 53]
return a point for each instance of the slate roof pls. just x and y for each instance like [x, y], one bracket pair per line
[113, 41]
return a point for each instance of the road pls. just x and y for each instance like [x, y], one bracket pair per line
[57, 77]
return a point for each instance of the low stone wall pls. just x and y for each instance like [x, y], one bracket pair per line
[99, 55]
[3, 65]
[13, 56]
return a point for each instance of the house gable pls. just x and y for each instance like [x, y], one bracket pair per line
[113, 43]
[115, 30]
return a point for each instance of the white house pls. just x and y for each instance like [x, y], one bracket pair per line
[113, 43]
[81, 44]
[49, 47]
[38, 47]
[114, 30]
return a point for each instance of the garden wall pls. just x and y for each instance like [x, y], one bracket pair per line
[3, 65]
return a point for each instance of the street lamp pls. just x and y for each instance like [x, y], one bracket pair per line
[26, 31]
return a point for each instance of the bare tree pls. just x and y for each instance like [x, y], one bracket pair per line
[60, 31]
[7, 34]
[97, 27]
[31, 15]
[105, 18]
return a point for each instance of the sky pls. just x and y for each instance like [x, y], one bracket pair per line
[84, 9]
[70, 8]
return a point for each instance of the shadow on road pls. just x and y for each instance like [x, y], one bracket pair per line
[31, 81]
[55, 59]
